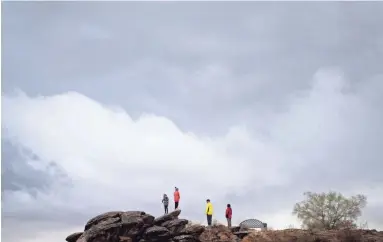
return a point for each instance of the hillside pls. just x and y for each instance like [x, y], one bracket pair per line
[138, 226]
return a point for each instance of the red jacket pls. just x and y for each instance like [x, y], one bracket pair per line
[229, 212]
[177, 196]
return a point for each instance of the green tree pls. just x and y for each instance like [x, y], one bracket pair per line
[329, 210]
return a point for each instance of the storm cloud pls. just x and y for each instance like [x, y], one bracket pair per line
[107, 105]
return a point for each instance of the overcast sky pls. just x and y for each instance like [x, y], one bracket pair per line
[108, 105]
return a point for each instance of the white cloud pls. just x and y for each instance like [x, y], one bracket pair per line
[104, 149]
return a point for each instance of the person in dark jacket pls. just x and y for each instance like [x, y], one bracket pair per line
[228, 214]
[165, 201]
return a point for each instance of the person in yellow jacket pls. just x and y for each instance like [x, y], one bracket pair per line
[209, 211]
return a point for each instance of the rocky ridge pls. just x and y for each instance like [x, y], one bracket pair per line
[138, 226]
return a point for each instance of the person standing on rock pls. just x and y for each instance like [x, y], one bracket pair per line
[176, 197]
[228, 215]
[209, 212]
[165, 201]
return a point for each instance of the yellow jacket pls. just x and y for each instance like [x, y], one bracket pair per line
[209, 208]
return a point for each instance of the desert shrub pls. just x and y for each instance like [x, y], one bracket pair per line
[329, 210]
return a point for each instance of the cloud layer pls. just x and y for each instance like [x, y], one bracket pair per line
[249, 103]
[96, 157]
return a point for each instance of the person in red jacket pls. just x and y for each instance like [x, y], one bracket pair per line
[228, 215]
[176, 198]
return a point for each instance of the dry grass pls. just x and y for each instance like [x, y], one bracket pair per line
[297, 235]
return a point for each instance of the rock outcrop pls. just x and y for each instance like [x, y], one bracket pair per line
[138, 226]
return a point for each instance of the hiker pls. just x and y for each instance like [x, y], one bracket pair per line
[165, 201]
[176, 197]
[228, 215]
[209, 212]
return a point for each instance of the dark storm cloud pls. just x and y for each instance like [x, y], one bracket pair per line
[155, 50]
[18, 174]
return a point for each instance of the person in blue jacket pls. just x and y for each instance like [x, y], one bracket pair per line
[165, 201]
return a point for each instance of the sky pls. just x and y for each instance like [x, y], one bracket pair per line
[108, 105]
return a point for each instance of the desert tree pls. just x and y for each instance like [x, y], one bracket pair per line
[329, 210]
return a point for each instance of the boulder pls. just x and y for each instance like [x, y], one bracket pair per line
[73, 237]
[170, 216]
[175, 226]
[156, 233]
[101, 232]
[112, 226]
[102, 217]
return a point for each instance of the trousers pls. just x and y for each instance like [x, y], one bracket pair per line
[166, 209]
[228, 222]
[209, 217]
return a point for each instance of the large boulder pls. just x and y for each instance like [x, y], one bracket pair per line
[112, 226]
[102, 217]
[175, 226]
[156, 233]
[170, 216]
[129, 217]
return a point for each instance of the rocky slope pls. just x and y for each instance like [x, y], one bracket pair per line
[137, 226]
[298, 235]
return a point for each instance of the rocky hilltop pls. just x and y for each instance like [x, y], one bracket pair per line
[138, 226]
